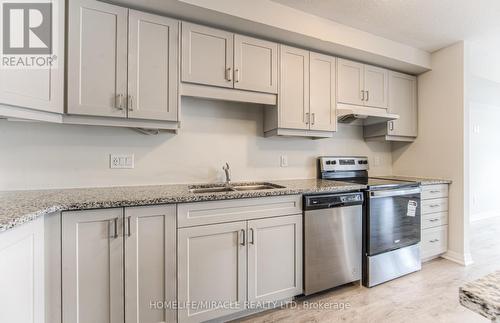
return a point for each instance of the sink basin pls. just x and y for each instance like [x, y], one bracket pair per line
[211, 190]
[256, 187]
[200, 189]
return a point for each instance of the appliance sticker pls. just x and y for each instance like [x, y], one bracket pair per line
[412, 208]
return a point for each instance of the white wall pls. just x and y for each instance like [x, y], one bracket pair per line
[483, 86]
[50, 156]
[441, 146]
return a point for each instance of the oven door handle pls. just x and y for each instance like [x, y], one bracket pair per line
[391, 193]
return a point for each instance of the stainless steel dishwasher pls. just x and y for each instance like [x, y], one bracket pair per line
[332, 240]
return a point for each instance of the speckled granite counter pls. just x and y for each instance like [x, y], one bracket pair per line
[17, 207]
[421, 180]
[483, 296]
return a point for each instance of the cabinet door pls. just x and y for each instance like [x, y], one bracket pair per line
[207, 55]
[403, 101]
[97, 59]
[40, 89]
[376, 87]
[255, 64]
[211, 267]
[92, 266]
[350, 82]
[150, 263]
[22, 296]
[293, 99]
[152, 66]
[274, 258]
[322, 92]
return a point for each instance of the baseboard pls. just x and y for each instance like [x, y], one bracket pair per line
[461, 259]
[484, 215]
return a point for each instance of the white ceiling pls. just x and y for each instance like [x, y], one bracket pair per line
[424, 24]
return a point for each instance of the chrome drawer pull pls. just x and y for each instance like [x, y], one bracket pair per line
[243, 242]
[434, 205]
[434, 240]
[435, 191]
[434, 220]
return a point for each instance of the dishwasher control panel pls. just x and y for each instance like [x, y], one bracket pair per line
[332, 200]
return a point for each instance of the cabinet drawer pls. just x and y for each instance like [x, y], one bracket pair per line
[432, 220]
[434, 206]
[201, 213]
[434, 191]
[434, 241]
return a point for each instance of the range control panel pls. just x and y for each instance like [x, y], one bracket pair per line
[329, 164]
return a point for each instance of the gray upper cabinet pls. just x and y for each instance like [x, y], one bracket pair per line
[97, 59]
[293, 99]
[38, 89]
[350, 82]
[376, 86]
[255, 64]
[322, 92]
[361, 84]
[307, 95]
[92, 266]
[403, 101]
[121, 63]
[152, 67]
[222, 59]
[207, 55]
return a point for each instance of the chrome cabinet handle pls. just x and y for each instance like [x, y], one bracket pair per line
[313, 118]
[243, 242]
[229, 75]
[391, 125]
[129, 232]
[119, 102]
[114, 231]
[237, 75]
[362, 95]
[434, 205]
[434, 192]
[130, 103]
[307, 118]
[434, 240]
[253, 237]
[367, 96]
[434, 220]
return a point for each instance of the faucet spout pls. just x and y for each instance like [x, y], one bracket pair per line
[228, 173]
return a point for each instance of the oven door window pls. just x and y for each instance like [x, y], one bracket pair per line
[392, 222]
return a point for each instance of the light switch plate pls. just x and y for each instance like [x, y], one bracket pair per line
[121, 161]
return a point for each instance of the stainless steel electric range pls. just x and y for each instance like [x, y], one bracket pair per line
[390, 222]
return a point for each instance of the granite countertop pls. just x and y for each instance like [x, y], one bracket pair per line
[17, 207]
[421, 180]
[483, 296]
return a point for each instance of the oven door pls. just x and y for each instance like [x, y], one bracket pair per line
[392, 219]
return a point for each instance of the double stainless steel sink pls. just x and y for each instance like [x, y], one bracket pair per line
[221, 188]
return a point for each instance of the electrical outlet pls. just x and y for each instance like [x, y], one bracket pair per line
[284, 161]
[121, 161]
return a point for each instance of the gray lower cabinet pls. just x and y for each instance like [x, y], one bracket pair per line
[212, 267]
[116, 263]
[224, 267]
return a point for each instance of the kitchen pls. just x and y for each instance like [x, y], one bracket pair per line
[130, 139]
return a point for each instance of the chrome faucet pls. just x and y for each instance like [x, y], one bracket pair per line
[228, 174]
